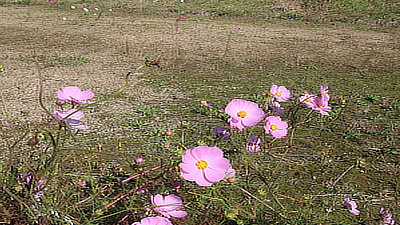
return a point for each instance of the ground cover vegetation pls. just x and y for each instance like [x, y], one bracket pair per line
[199, 112]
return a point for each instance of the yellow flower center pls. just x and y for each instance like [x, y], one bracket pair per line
[308, 100]
[242, 114]
[202, 164]
[273, 127]
[250, 144]
[278, 94]
[204, 103]
[319, 105]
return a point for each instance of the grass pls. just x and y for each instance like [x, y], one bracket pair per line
[299, 179]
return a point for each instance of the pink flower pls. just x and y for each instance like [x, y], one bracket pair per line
[243, 113]
[275, 126]
[351, 206]
[280, 93]
[139, 160]
[324, 92]
[253, 144]
[386, 217]
[168, 206]
[321, 105]
[73, 120]
[204, 165]
[82, 183]
[25, 9]
[74, 94]
[308, 100]
[237, 28]
[158, 220]
[182, 16]
[168, 133]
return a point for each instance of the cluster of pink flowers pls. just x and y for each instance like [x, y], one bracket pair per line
[75, 97]
[245, 114]
[318, 103]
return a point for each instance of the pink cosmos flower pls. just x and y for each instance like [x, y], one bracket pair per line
[308, 100]
[253, 144]
[158, 220]
[324, 92]
[321, 105]
[168, 206]
[276, 107]
[74, 94]
[73, 120]
[276, 126]
[386, 217]
[204, 165]
[280, 93]
[351, 206]
[243, 113]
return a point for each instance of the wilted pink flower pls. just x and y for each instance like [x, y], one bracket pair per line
[158, 220]
[168, 133]
[222, 133]
[324, 92]
[276, 126]
[351, 206]
[139, 160]
[168, 206]
[82, 183]
[280, 93]
[253, 144]
[308, 100]
[73, 120]
[243, 113]
[276, 107]
[386, 217]
[204, 103]
[204, 165]
[321, 105]
[74, 94]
